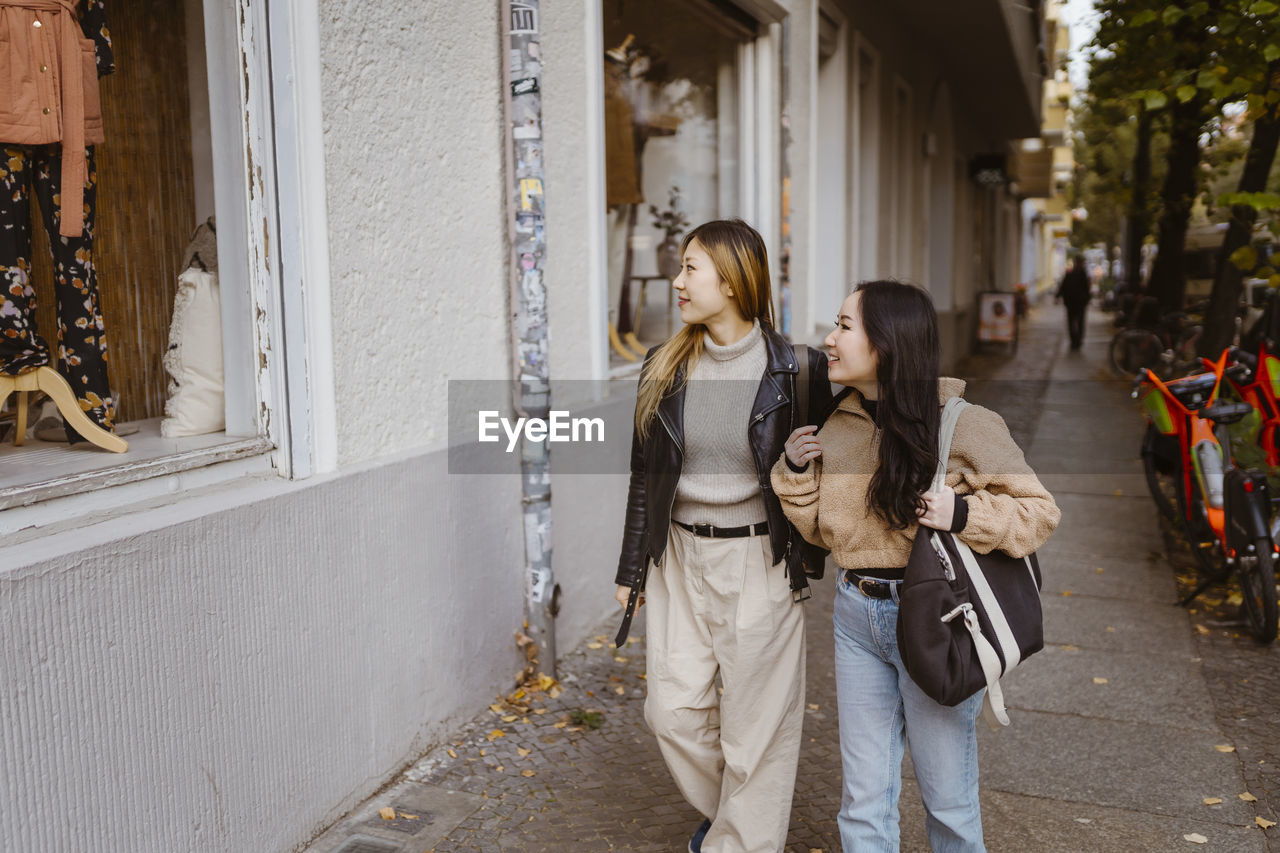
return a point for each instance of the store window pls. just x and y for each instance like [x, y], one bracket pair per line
[678, 102]
[152, 175]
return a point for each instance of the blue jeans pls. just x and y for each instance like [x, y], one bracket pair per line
[880, 709]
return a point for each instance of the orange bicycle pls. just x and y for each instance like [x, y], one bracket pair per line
[1224, 510]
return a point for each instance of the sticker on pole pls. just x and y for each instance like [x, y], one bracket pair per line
[524, 20]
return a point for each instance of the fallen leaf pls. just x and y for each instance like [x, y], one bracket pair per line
[619, 658]
[554, 692]
[1235, 599]
[1119, 493]
[482, 752]
[387, 813]
[495, 734]
[1200, 629]
[560, 725]
[519, 694]
[1099, 680]
[1110, 630]
[452, 754]
[619, 690]
[1263, 823]
[1195, 838]
[526, 773]
[644, 676]
[499, 768]
[631, 640]
[1211, 801]
[1222, 747]
[574, 728]
[510, 718]
[497, 709]
[1084, 820]
[1066, 593]
[1099, 570]
[539, 711]
[545, 682]
[1070, 648]
[404, 816]
[812, 706]
[1248, 798]
[522, 752]
[594, 646]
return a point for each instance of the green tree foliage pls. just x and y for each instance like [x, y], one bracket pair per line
[1189, 62]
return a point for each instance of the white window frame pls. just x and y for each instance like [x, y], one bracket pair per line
[904, 160]
[866, 162]
[277, 339]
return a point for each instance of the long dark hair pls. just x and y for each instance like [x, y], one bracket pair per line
[902, 329]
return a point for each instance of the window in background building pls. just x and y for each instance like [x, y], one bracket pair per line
[673, 102]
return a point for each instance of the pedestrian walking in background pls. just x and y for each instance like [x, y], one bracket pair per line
[1073, 291]
[724, 568]
[859, 488]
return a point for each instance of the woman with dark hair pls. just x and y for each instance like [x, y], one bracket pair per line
[861, 489]
[724, 568]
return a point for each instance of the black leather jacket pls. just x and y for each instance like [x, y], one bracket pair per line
[656, 465]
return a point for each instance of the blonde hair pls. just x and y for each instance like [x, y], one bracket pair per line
[738, 254]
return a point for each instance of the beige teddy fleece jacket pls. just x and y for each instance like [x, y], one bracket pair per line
[1009, 510]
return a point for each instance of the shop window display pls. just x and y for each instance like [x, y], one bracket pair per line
[671, 95]
[96, 304]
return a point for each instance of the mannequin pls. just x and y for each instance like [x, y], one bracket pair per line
[47, 144]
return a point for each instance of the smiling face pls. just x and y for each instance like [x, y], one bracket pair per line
[702, 296]
[850, 358]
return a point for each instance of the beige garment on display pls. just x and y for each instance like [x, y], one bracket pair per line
[718, 606]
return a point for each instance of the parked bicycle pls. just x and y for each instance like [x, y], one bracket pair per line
[1224, 510]
[1163, 344]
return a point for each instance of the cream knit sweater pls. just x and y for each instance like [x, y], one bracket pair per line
[1009, 510]
[718, 482]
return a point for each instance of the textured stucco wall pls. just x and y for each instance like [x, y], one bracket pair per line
[235, 671]
[417, 237]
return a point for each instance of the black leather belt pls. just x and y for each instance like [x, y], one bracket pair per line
[870, 587]
[726, 532]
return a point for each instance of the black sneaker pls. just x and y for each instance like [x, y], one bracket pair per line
[695, 843]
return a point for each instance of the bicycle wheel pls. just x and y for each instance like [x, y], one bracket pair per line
[1163, 478]
[1134, 349]
[1258, 586]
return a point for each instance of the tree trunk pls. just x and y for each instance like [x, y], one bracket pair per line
[1168, 275]
[1220, 319]
[1139, 215]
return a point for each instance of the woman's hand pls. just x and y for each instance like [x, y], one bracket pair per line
[623, 593]
[939, 508]
[803, 445]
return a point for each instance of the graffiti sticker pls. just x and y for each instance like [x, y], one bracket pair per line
[524, 20]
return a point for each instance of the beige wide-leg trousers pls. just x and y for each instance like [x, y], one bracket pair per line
[719, 607]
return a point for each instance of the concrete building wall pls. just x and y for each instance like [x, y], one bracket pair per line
[417, 232]
[236, 670]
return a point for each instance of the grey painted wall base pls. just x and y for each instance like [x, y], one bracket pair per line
[237, 670]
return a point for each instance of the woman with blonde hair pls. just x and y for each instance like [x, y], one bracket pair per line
[862, 487]
[706, 543]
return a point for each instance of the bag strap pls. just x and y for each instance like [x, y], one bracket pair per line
[801, 409]
[946, 430]
[994, 712]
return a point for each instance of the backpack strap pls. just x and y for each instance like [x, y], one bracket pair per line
[946, 430]
[800, 414]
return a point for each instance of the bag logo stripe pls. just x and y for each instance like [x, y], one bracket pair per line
[1004, 634]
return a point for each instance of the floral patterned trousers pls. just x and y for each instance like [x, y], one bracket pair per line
[82, 341]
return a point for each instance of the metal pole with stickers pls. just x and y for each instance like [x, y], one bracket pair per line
[527, 237]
